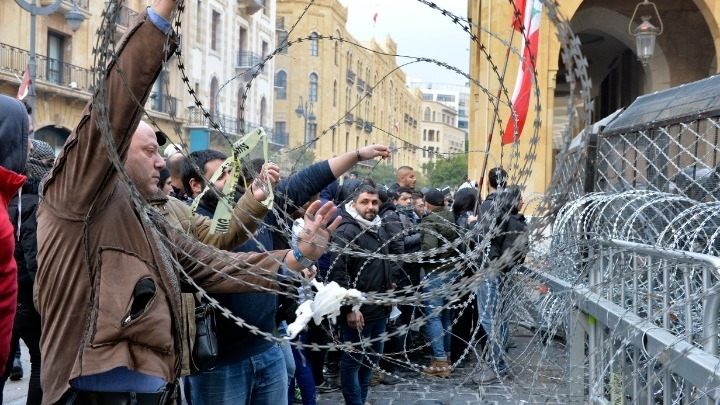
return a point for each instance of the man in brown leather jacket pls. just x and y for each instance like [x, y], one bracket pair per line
[109, 276]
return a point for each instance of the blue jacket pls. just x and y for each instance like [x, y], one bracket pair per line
[258, 309]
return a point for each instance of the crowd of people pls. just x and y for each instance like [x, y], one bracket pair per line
[104, 262]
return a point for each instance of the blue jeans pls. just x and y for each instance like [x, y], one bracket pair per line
[287, 351]
[439, 324]
[493, 322]
[260, 379]
[303, 374]
[356, 379]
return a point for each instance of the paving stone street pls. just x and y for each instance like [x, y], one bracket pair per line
[533, 380]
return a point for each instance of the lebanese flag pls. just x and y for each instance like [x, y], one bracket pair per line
[24, 84]
[523, 84]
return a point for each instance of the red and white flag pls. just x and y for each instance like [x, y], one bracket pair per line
[375, 19]
[530, 12]
[24, 84]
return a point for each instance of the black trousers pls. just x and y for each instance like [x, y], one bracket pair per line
[27, 328]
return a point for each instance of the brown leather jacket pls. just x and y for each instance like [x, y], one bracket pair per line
[247, 215]
[95, 247]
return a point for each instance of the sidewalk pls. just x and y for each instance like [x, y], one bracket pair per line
[534, 379]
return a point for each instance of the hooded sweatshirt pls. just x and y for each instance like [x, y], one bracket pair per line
[14, 126]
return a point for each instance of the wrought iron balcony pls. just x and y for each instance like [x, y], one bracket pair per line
[359, 122]
[251, 6]
[15, 60]
[349, 119]
[350, 76]
[125, 16]
[361, 85]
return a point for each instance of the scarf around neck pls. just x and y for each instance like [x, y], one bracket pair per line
[371, 226]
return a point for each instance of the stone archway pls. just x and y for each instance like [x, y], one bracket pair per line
[55, 136]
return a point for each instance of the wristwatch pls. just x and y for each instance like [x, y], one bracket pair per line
[304, 261]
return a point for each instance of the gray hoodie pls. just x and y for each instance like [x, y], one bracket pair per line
[14, 127]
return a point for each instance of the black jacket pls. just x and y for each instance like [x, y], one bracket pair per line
[360, 271]
[512, 230]
[26, 246]
[393, 227]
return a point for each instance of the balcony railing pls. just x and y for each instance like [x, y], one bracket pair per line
[125, 16]
[163, 103]
[349, 119]
[350, 76]
[251, 6]
[247, 60]
[361, 85]
[359, 122]
[15, 60]
[231, 125]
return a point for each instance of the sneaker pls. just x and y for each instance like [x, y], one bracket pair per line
[17, 371]
[486, 377]
[297, 398]
[326, 387]
[389, 379]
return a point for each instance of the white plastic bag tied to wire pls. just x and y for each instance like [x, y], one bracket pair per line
[327, 300]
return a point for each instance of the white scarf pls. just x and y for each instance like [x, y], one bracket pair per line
[371, 226]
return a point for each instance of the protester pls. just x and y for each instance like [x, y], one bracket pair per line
[437, 230]
[405, 178]
[510, 239]
[14, 124]
[165, 182]
[110, 305]
[362, 227]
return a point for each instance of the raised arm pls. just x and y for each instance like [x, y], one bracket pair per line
[83, 174]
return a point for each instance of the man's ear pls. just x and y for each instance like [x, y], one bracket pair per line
[196, 186]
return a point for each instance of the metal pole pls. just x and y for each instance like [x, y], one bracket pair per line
[34, 11]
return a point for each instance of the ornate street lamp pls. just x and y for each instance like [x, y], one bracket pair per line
[74, 19]
[645, 33]
[306, 112]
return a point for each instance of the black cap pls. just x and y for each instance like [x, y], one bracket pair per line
[161, 137]
[435, 197]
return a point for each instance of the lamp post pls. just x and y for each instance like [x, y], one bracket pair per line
[73, 17]
[305, 110]
[645, 33]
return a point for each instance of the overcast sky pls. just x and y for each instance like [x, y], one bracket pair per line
[419, 31]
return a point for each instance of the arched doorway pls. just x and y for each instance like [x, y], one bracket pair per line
[683, 53]
[54, 136]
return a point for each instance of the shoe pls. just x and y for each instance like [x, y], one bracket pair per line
[17, 371]
[297, 398]
[375, 378]
[326, 387]
[487, 377]
[389, 379]
[438, 368]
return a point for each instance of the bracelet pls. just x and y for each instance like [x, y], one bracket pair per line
[357, 153]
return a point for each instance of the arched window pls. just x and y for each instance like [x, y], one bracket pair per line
[313, 89]
[337, 53]
[314, 44]
[335, 93]
[263, 112]
[281, 85]
[213, 94]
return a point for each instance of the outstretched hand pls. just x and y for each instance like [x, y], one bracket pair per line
[373, 151]
[313, 239]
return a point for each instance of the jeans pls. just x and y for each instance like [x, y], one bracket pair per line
[26, 327]
[287, 351]
[303, 374]
[439, 324]
[260, 379]
[356, 379]
[493, 322]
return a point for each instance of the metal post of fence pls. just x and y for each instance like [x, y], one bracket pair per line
[577, 360]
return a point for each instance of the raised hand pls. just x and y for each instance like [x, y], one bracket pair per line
[312, 240]
[373, 151]
[269, 172]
